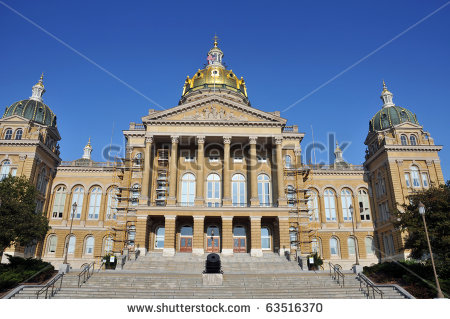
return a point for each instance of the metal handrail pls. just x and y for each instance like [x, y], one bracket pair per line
[86, 273]
[337, 274]
[51, 283]
[368, 284]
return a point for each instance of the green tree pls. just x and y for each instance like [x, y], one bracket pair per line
[437, 205]
[19, 223]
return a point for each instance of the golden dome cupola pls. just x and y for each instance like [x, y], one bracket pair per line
[215, 78]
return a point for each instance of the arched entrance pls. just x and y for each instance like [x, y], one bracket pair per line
[186, 234]
[239, 239]
[212, 239]
[159, 237]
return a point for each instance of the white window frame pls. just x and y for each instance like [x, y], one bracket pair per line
[213, 190]
[18, 137]
[346, 201]
[415, 176]
[332, 240]
[407, 180]
[424, 179]
[59, 202]
[351, 245]
[89, 245]
[95, 200]
[370, 248]
[267, 237]
[72, 245]
[77, 197]
[8, 134]
[238, 190]
[52, 243]
[364, 209]
[159, 238]
[264, 190]
[187, 193]
[6, 169]
[330, 204]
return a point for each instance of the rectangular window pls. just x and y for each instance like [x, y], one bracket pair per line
[408, 183]
[424, 180]
[237, 159]
[262, 159]
[189, 159]
[214, 159]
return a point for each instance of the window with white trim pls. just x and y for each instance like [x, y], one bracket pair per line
[407, 180]
[8, 134]
[424, 179]
[351, 246]
[59, 202]
[89, 246]
[213, 190]
[346, 201]
[364, 205]
[52, 241]
[94, 203]
[334, 247]
[6, 168]
[370, 248]
[71, 247]
[19, 133]
[265, 238]
[238, 190]
[330, 204]
[404, 140]
[413, 140]
[287, 161]
[77, 197]
[188, 189]
[264, 190]
[415, 176]
[108, 245]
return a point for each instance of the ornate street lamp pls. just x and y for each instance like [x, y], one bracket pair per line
[422, 213]
[74, 208]
[354, 235]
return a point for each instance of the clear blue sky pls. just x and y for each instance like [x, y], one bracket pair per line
[283, 49]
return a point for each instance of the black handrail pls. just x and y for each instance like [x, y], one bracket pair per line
[51, 283]
[86, 273]
[363, 280]
[337, 274]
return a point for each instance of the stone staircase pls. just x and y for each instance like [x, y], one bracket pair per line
[153, 276]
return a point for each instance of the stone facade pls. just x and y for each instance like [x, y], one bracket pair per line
[215, 174]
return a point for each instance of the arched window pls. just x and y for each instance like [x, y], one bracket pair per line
[412, 139]
[351, 246]
[60, 200]
[364, 205]
[425, 179]
[287, 161]
[94, 202]
[346, 201]
[415, 176]
[380, 185]
[71, 248]
[315, 246]
[313, 206]
[334, 247]
[77, 197]
[111, 208]
[239, 231]
[135, 193]
[404, 140]
[330, 204]
[51, 244]
[265, 237]
[89, 248]
[408, 182]
[213, 190]
[108, 245]
[6, 168]
[138, 159]
[290, 196]
[212, 231]
[238, 190]
[264, 190]
[159, 237]
[188, 189]
[8, 134]
[19, 134]
[370, 249]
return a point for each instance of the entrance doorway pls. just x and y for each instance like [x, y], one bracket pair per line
[239, 239]
[186, 239]
[212, 239]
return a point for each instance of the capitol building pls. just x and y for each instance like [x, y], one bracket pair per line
[216, 174]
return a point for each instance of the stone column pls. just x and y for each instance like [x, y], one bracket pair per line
[198, 245]
[255, 233]
[227, 235]
[199, 193]
[254, 200]
[285, 241]
[169, 236]
[226, 200]
[141, 234]
[146, 183]
[282, 201]
[173, 172]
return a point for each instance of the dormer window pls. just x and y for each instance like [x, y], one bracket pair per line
[404, 140]
[413, 140]
[8, 134]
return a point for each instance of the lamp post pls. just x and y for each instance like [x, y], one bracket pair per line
[74, 208]
[354, 235]
[422, 213]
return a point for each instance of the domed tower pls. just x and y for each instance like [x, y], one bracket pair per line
[401, 158]
[215, 78]
[29, 146]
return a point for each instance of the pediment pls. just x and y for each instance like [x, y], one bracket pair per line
[214, 109]
[407, 125]
[15, 119]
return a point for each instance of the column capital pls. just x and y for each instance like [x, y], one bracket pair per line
[200, 139]
[297, 151]
[227, 139]
[278, 140]
[175, 139]
[149, 139]
[253, 139]
[129, 149]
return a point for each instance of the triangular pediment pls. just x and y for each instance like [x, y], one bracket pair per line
[15, 119]
[407, 125]
[214, 109]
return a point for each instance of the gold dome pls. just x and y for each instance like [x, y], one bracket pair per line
[215, 76]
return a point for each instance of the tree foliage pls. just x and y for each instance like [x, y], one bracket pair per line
[437, 205]
[19, 223]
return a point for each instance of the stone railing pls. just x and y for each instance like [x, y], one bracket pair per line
[137, 126]
[87, 163]
[290, 129]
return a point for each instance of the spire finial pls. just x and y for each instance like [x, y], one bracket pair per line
[215, 40]
[42, 77]
[386, 96]
[38, 89]
[87, 150]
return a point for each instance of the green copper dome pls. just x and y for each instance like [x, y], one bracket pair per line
[390, 116]
[32, 110]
